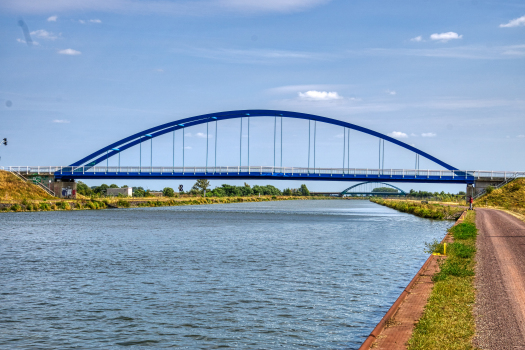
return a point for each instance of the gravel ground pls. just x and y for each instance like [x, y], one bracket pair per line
[500, 281]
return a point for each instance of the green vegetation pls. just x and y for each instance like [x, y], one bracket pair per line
[168, 192]
[439, 196]
[13, 188]
[424, 210]
[510, 197]
[448, 322]
[385, 189]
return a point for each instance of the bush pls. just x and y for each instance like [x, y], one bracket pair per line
[489, 189]
[461, 250]
[453, 268]
[464, 231]
[168, 192]
[16, 207]
[122, 203]
[45, 206]
[64, 206]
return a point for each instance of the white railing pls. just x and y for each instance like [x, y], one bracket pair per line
[268, 170]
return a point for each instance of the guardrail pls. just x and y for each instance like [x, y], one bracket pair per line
[227, 170]
[44, 187]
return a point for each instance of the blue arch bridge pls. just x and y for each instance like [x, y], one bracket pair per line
[96, 164]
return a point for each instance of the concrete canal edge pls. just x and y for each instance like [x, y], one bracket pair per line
[396, 327]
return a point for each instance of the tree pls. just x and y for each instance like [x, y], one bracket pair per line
[287, 192]
[101, 190]
[113, 186]
[168, 192]
[138, 192]
[200, 186]
[304, 190]
[125, 186]
[84, 189]
[385, 189]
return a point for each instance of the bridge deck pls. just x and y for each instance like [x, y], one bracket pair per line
[270, 173]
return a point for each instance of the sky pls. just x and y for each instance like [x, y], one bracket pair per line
[444, 76]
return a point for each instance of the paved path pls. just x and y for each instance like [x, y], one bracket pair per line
[500, 281]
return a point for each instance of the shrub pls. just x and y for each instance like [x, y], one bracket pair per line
[16, 207]
[45, 206]
[461, 250]
[464, 231]
[64, 206]
[123, 203]
[453, 268]
[168, 192]
[489, 189]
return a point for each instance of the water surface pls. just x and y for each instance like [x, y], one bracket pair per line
[291, 274]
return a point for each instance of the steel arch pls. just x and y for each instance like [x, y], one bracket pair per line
[136, 138]
[367, 182]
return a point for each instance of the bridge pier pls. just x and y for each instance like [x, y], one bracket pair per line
[64, 188]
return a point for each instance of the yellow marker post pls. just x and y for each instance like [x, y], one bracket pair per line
[444, 249]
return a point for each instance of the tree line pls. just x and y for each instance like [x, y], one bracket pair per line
[200, 188]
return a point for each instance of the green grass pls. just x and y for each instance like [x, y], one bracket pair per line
[448, 321]
[510, 197]
[424, 210]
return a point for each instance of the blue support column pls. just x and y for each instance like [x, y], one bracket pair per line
[215, 143]
[344, 148]
[315, 137]
[309, 133]
[173, 148]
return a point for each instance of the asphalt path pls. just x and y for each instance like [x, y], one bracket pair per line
[500, 281]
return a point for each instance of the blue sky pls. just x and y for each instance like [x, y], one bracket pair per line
[445, 76]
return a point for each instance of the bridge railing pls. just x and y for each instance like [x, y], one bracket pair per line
[266, 170]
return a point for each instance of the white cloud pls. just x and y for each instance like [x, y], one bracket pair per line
[314, 95]
[43, 34]
[518, 22]
[521, 136]
[391, 92]
[95, 21]
[417, 39]
[428, 134]
[398, 135]
[69, 52]
[253, 55]
[82, 21]
[188, 134]
[187, 147]
[413, 135]
[202, 135]
[61, 121]
[52, 18]
[22, 41]
[444, 37]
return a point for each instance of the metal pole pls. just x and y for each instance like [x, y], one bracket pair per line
[216, 144]
[309, 133]
[174, 148]
[274, 136]
[344, 148]
[348, 153]
[183, 137]
[248, 144]
[240, 147]
[119, 161]
[383, 161]
[151, 157]
[206, 146]
[379, 154]
[281, 142]
[107, 161]
[140, 161]
[315, 137]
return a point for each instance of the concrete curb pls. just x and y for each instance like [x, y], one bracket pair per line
[394, 308]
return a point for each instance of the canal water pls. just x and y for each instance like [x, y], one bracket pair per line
[267, 275]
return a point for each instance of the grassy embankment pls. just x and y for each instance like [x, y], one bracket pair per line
[448, 321]
[14, 189]
[510, 197]
[17, 195]
[424, 210]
